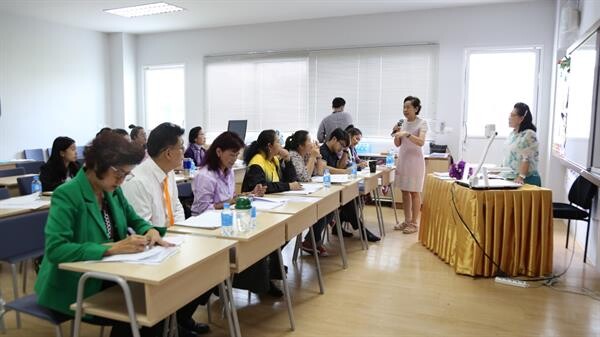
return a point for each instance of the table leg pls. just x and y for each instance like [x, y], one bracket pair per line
[379, 210]
[236, 323]
[317, 263]
[338, 226]
[394, 203]
[286, 291]
[223, 292]
[361, 224]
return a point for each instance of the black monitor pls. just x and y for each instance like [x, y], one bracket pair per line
[238, 127]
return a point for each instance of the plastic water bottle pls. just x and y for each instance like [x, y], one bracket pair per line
[389, 159]
[253, 217]
[326, 178]
[354, 173]
[227, 220]
[36, 185]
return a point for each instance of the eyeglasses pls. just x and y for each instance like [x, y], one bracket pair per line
[120, 174]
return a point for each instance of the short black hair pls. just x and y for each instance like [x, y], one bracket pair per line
[295, 140]
[340, 135]
[163, 136]
[194, 134]
[110, 149]
[415, 102]
[121, 132]
[338, 102]
[352, 131]
[134, 131]
[103, 130]
[260, 145]
[226, 141]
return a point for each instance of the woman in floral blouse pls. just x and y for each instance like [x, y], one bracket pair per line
[522, 151]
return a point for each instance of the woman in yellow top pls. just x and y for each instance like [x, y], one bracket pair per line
[265, 168]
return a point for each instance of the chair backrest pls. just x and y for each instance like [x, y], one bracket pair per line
[31, 167]
[4, 193]
[35, 154]
[79, 150]
[582, 193]
[19, 171]
[184, 190]
[24, 185]
[22, 235]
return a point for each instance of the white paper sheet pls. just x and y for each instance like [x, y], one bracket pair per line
[154, 255]
[335, 179]
[210, 219]
[307, 189]
[30, 201]
[265, 204]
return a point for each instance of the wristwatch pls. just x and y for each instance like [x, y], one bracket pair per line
[408, 135]
[522, 176]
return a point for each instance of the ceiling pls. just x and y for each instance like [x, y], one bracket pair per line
[89, 14]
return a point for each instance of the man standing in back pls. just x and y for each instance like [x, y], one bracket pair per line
[152, 191]
[337, 119]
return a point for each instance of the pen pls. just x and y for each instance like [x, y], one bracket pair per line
[132, 232]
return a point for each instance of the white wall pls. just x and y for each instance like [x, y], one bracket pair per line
[122, 80]
[456, 29]
[52, 83]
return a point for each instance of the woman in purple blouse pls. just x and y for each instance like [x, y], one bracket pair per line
[195, 151]
[214, 184]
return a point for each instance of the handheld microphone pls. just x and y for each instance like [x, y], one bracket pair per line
[399, 125]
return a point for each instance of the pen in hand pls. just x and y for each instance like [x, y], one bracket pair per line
[132, 232]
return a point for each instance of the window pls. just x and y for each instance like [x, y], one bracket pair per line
[496, 80]
[292, 91]
[164, 95]
[270, 92]
[374, 82]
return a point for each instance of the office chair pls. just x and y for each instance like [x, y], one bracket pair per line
[4, 194]
[31, 167]
[24, 185]
[186, 197]
[19, 171]
[35, 154]
[581, 194]
[22, 239]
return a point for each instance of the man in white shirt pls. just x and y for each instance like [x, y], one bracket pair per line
[152, 192]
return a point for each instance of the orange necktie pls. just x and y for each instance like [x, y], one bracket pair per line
[168, 201]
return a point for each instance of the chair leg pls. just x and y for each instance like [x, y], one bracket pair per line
[13, 268]
[25, 266]
[102, 331]
[58, 331]
[587, 235]
[208, 312]
[568, 232]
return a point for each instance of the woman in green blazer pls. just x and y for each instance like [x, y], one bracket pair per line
[89, 219]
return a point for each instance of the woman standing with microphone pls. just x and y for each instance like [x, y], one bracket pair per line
[409, 136]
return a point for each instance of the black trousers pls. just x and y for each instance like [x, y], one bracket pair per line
[348, 213]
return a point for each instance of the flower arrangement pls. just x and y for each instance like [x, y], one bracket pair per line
[456, 171]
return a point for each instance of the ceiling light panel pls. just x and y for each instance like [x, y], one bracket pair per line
[143, 10]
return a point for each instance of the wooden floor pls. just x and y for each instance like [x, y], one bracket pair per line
[399, 288]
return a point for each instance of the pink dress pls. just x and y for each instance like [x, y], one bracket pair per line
[410, 164]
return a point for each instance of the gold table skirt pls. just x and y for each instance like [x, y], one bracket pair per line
[514, 227]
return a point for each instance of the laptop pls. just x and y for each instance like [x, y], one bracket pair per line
[238, 127]
[493, 184]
